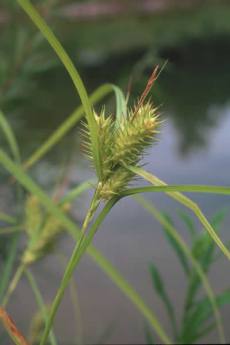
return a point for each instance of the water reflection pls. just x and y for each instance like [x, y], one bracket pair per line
[194, 89]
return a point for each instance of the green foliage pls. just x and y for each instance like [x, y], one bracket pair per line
[197, 318]
[116, 146]
[160, 289]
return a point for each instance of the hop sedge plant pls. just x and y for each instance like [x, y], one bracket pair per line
[123, 143]
[115, 145]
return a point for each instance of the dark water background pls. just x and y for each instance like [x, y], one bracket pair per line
[194, 97]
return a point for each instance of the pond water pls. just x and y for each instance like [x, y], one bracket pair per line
[193, 148]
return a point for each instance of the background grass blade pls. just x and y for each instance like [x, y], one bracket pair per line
[8, 266]
[67, 62]
[162, 293]
[76, 192]
[78, 251]
[7, 218]
[66, 126]
[121, 105]
[173, 232]
[188, 222]
[12, 250]
[10, 138]
[177, 248]
[40, 302]
[73, 229]
[11, 328]
[182, 199]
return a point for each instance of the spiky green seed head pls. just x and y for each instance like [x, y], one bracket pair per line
[33, 215]
[42, 231]
[123, 144]
[135, 134]
[115, 183]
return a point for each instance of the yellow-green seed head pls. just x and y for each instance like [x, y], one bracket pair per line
[33, 215]
[42, 235]
[123, 144]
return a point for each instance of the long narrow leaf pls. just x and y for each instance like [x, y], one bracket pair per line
[67, 62]
[40, 302]
[177, 248]
[173, 232]
[121, 105]
[202, 313]
[73, 229]
[11, 328]
[76, 192]
[186, 202]
[66, 126]
[189, 223]
[203, 249]
[7, 131]
[162, 293]
[224, 190]
[7, 218]
[78, 251]
[8, 266]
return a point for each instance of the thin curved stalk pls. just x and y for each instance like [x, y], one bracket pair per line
[74, 75]
[77, 253]
[74, 231]
[76, 256]
[12, 250]
[182, 199]
[40, 302]
[10, 229]
[76, 192]
[10, 137]
[6, 218]
[179, 188]
[66, 126]
[77, 311]
[8, 266]
[11, 328]
[14, 282]
[173, 232]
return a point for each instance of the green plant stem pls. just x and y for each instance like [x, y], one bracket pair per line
[76, 192]
[14, 282]
[74, 260]
[40, 302]
[9, 230]
[66, 126]
[182, 199]
[73, 73]
[173, 232]
[73, 230]
[77, 312]
[7, 218]
[5, 276]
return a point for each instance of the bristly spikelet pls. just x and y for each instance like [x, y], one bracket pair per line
[105, 138]
[105, 132]
[42, 231]
[33, 216]
[135, 134]
[123, 145]
[115, 183]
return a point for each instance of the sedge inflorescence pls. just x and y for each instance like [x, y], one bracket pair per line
[122, 143]
[41, 229]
